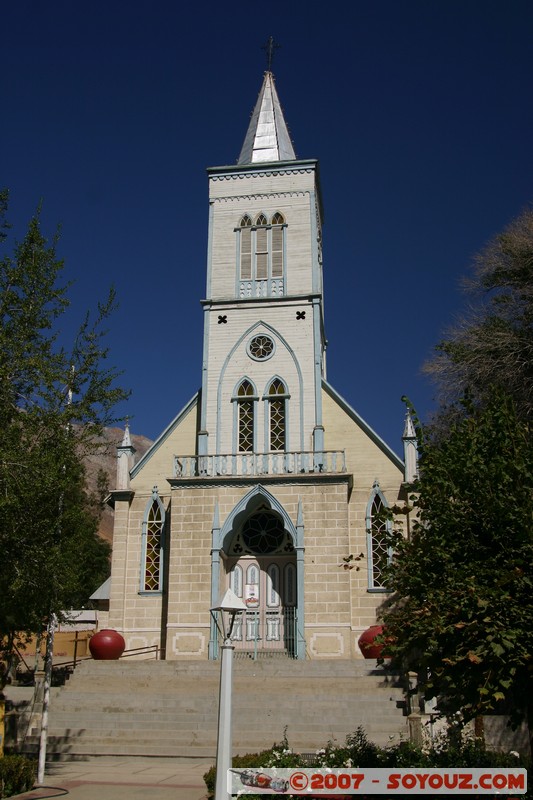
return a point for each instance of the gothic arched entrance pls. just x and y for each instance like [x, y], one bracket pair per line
[260, 567]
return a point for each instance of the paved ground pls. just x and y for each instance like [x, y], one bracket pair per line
[124, 778]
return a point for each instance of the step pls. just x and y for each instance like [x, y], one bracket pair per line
[171, 708]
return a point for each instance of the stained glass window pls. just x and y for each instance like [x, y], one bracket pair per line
[379, 552]
[246, 417]
[277, 409]
[153, 532]
[261, 347]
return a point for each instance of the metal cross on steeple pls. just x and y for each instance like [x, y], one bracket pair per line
[270, 47]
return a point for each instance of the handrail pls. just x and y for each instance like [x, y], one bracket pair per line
[132, 651]
[148, 648]
[253, 464]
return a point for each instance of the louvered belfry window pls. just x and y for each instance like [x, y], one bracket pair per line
[277, 245]
[261, 255]
[246, 247]
[261, 248]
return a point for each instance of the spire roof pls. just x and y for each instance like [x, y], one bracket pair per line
[409, 428]
[267, 138]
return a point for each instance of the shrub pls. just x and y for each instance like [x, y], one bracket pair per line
[17, 775]
[359, 752]
[239, 762]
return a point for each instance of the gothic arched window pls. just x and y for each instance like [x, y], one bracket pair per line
[153, 530]
[246, 247]
[277, 398]
[377, 530]
[245, 399]
[278, 221]
[261, 248]
[261, 255]
[235, 582]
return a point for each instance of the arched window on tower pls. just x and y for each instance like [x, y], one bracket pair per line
[278, 222]
[276, 417]
[153, 534]
[246, 248]
[245, 399]
[261, 248]
[261, 255]
[377, 532]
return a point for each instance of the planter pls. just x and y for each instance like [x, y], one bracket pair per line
[367, 644]
[106, 645]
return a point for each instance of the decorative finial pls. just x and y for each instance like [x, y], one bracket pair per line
[126, 441]
[270, 47]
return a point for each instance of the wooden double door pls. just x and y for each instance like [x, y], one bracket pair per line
[267, 586]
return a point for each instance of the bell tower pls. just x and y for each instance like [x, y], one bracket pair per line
[264, 342]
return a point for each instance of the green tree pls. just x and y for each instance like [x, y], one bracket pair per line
[492, 344]
[54, 402]
[462, 581]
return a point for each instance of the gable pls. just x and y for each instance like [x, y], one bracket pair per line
[179, 438]
[346, 430]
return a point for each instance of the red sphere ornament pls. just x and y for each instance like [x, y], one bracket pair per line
[367, 644]
[106, 645]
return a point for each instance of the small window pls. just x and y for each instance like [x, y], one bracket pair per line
[273, 598]
[236, 580]
[290, 585]
[261, 347]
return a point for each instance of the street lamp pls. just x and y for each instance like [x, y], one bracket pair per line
[224, 617]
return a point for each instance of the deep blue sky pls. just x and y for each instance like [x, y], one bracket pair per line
[420, 112]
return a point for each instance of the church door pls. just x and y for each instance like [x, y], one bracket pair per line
[267, 585]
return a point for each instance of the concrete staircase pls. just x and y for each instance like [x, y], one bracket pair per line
[169, 708]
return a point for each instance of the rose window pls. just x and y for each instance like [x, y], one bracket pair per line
[261, 347]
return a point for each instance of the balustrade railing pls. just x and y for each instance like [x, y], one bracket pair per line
[272, 287]
[252, 464]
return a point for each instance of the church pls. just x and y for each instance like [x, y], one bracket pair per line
[267, 481]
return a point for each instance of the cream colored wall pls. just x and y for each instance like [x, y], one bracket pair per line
[338, 605]
[136, 616]
[326, 586]
[292, 360]
[367, 463]
[288, 192]
[160, 464]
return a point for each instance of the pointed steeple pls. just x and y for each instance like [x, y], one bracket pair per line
[267, 138]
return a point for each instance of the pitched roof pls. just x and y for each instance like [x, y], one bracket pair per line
[267, 138]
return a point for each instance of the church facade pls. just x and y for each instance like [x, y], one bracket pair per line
[267, 481]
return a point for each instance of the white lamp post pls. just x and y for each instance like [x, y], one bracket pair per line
[224, 616]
